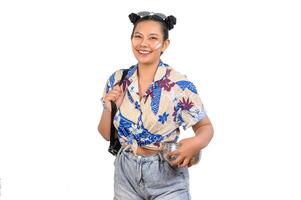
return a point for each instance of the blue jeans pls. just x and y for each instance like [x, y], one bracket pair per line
[148, 178]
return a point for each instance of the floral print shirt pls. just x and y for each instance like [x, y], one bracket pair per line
[170, 101]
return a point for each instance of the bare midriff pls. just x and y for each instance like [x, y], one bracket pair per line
[146, 152]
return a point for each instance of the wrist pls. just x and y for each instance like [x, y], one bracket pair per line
[106, 105]
[199, 142]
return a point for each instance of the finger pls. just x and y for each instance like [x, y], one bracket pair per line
[112, 97]
[173, 153]
[118, 92]
[123, 94]
[121, 89]
[117, 88]
[185, 162]
[115, 92]
[108, 98]
[177, 161]
[190, 163]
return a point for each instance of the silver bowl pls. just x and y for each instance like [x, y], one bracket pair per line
[172, 146]
[169, 147]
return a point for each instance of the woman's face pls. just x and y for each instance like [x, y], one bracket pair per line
[147, 42]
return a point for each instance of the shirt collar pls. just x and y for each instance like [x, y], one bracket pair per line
[161, 71]
[133, 78]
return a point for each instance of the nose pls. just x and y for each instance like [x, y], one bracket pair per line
[144, 43]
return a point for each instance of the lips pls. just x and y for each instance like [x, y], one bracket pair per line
[144, 52]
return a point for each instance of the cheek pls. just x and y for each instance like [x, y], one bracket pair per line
[134, 43]
[157, 45]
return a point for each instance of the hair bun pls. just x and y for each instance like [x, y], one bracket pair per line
[134, 17]
[170, 22]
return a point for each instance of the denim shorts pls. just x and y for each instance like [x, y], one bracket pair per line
[148, 178]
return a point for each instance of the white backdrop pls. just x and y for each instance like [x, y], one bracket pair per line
[55, 57]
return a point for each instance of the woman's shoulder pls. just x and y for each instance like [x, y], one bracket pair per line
[116, 75]
[113, 79]
[175, 75]
[181, 80]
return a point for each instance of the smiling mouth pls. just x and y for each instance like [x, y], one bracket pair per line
[144, 52]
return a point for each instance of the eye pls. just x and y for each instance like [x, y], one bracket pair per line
[137, 36]
[153, 38]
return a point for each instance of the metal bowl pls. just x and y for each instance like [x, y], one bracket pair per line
[169, 147]
[172, 146]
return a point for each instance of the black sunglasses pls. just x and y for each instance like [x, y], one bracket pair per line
[147, 13]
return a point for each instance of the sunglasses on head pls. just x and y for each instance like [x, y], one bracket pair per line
[147, 13]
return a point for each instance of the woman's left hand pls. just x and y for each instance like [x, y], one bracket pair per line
[189, 147]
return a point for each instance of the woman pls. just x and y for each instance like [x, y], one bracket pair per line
[153, 103]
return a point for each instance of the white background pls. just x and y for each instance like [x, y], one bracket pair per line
[55, 57]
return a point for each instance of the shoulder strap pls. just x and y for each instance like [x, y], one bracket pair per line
[124, 73]
[114, 109]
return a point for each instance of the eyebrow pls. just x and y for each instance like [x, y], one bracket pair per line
[149, 34]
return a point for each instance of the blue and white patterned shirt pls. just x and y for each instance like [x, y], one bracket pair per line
[171, 101]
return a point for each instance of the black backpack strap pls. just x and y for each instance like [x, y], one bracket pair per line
[124, 73]
[113, 134]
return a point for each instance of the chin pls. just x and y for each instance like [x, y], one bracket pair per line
[146, 60]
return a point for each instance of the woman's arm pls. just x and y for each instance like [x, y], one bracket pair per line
[189, 147]
[203, 132]
[104, 126]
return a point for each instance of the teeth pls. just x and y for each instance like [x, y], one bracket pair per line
[144, 52]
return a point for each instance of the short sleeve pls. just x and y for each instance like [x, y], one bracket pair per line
[111, 82]
[191, 108]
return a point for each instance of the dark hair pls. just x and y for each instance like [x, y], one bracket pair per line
[166, 24]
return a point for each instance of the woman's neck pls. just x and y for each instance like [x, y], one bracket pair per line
[147, 71]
